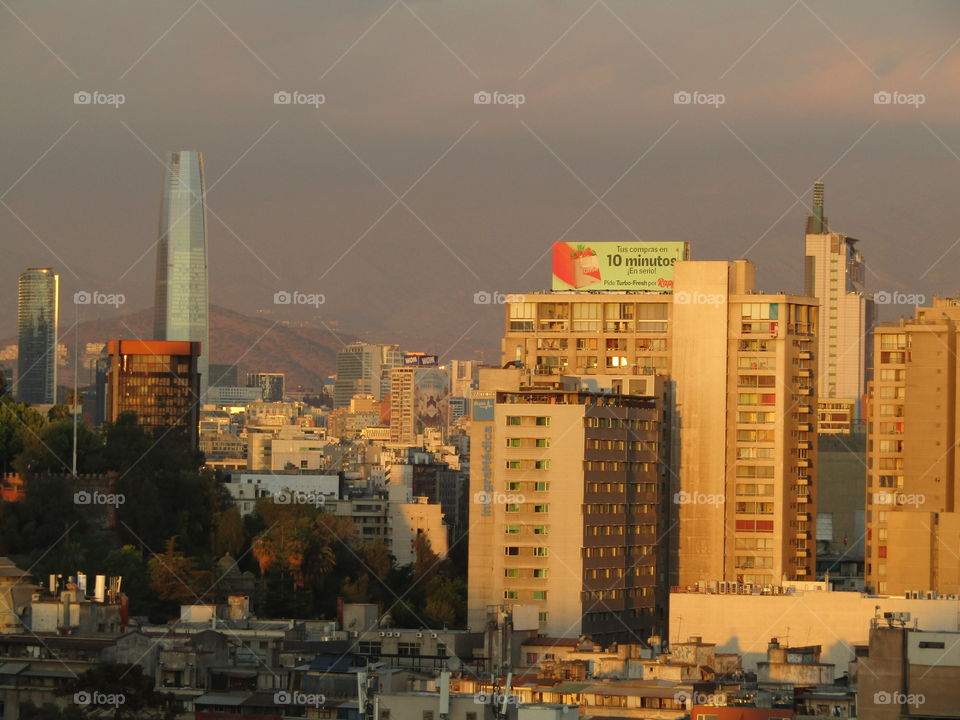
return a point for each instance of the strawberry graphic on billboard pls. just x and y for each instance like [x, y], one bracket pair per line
[577, 266]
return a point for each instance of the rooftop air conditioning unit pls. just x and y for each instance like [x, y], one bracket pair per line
[383, 634]
[419, 634]
[434, 635]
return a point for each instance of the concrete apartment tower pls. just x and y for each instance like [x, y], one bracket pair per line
[913, 507]
[740, 369]
[568, 506]
[834, 273]
[182, 306]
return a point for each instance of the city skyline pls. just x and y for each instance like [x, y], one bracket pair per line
[499, 196]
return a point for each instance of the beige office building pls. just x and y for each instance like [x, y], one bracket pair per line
[913, 518]
[567, 509]
[742, 368]
[834, 273]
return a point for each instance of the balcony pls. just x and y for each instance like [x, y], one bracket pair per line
[805, 391]
[805, 355]
[803, 499]
[805, 410]
[805, 372]
[804, 427]
[803, 480]
[803, 553]
[802, 535]
[805, 445]
[803, 463]
[803, 516]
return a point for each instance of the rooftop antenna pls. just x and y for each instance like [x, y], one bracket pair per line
[76, 373]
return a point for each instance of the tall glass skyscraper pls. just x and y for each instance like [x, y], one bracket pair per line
[38, 318]
[181, 309]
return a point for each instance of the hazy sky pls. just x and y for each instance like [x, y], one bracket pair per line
[305, 198]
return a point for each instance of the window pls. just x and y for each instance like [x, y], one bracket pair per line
[543, 617]
[541, 464]
[542, 421]
[512, 530]
[367, 647]
[511, 572]
[541, 530]
[512, 508]
[541, 508]
[428, 715]
[542, 442]
[511, 594]
[931, 645]
[408, 649]
[511, 550]
[541, 551]
[540, 573]
[541, 486]
[539, 594]
[513, 420]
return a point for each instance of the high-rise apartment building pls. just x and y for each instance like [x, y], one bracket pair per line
[181, 307]
[38, 317]
[742, 371]
[835, 274]
[156, 380]
[568, 508]
[913, 507]
[419, 400]
[364, 369]
[272, 385]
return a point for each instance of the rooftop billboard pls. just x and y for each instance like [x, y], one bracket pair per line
[621, 266]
